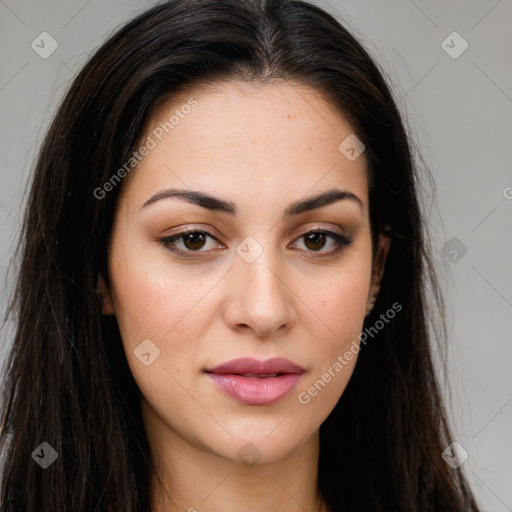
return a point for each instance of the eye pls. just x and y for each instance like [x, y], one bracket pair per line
[316, 239]
[191, 241]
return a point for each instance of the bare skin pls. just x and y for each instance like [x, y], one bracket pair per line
[261, 148]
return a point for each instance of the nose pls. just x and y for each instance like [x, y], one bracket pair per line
[260, 299]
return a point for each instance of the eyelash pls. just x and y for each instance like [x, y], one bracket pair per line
[341, 242]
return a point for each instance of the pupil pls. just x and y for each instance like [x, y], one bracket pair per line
[314, 236]
[190, 237]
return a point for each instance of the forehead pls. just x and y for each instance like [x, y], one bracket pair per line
[280, 139]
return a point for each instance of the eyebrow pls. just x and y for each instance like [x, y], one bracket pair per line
[217, 204]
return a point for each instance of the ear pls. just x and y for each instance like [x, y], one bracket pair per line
[378, 270]
[107, 307]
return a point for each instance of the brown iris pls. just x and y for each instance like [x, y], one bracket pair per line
[316, 239]
[194, 241]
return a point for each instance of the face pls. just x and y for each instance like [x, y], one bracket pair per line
[261, 274]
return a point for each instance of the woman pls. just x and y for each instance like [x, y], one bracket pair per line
[221, 299]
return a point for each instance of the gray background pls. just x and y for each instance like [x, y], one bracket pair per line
[458, 109]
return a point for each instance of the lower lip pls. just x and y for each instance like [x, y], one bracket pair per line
[255, 390]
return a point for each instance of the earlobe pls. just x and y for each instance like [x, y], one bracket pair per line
[107, 306]
[378, 271]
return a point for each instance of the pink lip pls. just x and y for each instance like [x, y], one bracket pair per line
[256, 390]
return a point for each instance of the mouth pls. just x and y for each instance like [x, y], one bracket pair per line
[254, 375]
[254, 382]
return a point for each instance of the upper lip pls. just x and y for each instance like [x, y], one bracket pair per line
[243, 365]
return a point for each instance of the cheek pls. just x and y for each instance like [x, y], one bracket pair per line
[171, 308]
[151, 302]
[339, 305]
[344, 297]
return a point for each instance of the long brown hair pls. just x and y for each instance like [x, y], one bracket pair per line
[67, 381]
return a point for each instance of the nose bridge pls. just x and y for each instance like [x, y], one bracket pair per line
[262, 299]
[259, 266]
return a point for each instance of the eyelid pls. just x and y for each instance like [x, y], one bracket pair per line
[192, 228]
[317, 227]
